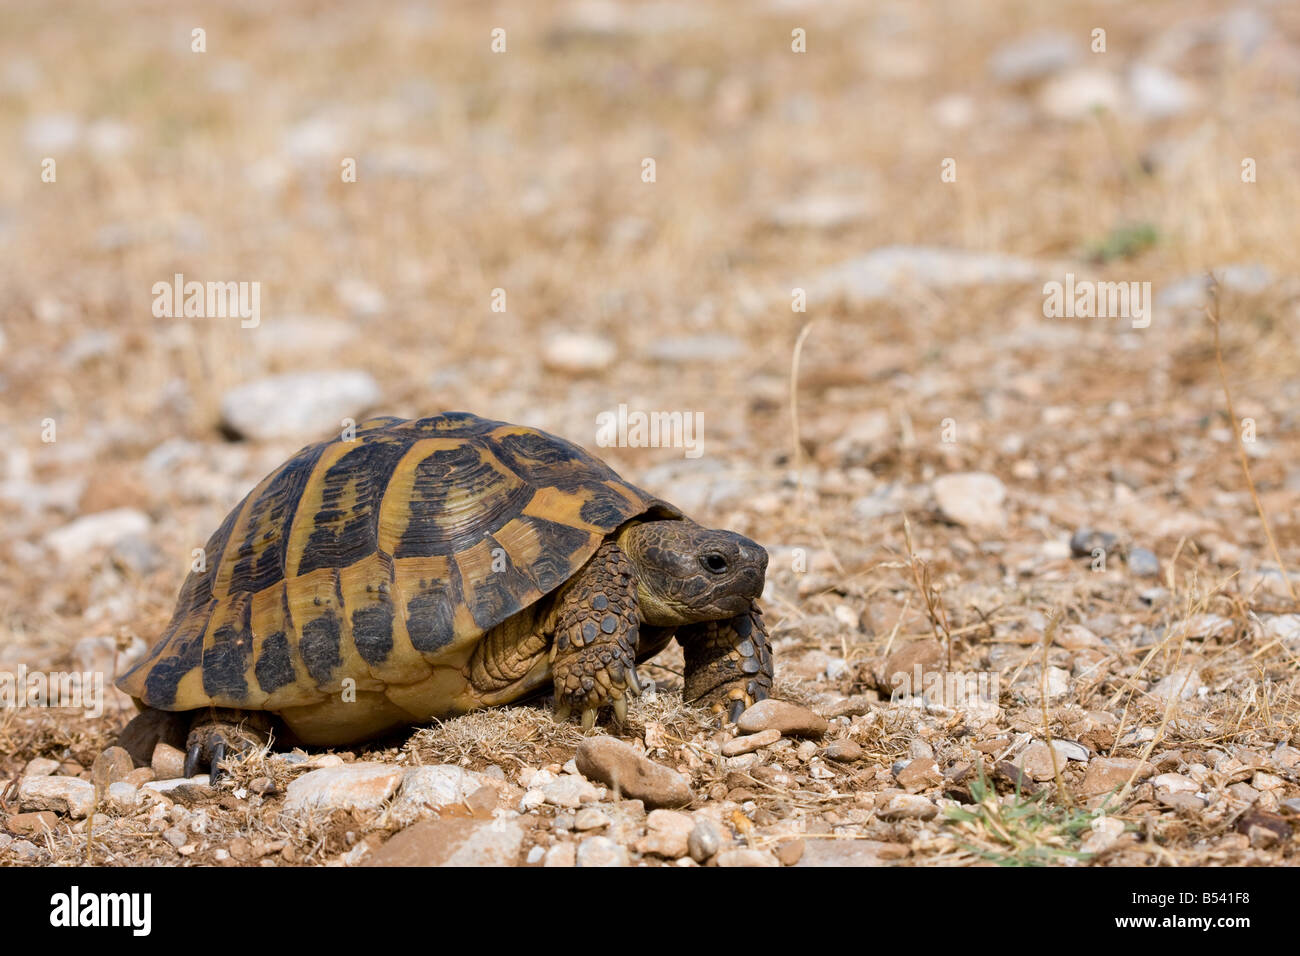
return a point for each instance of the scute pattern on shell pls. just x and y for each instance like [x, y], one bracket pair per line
[370, 558]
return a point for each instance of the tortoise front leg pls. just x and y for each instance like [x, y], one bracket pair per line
[219, 731]
[728, 663]
[596, 622]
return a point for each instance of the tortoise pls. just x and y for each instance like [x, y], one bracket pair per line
[422, 569]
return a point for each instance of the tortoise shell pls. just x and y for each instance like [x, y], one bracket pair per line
[380, 557]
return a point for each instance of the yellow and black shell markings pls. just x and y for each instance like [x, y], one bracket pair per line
[378, 558]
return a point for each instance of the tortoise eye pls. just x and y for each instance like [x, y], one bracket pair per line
[714, 562]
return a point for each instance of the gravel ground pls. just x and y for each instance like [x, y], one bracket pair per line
[1074, 529]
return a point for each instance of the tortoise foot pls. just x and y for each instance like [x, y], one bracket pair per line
[217, 734]
[728, 663]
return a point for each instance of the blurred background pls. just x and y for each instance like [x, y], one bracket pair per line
[918, 170]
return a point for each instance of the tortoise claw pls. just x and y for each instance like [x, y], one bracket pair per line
[620, 709]
[562, 713]
[218, 755]
[192, 758]
[588, 719]
[633, 684]
[737, 708]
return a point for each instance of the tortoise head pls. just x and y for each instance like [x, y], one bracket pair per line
[687, 573]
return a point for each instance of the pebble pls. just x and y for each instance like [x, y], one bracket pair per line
[681, 350]
[40, 767]
[1075, 94]
[425, 790]
[590, 818]
[669, 836]
[1105, 831]
[1158, 94]
[750, 743]
[784, 717]
[601, 851]
[1085, 541]
[704, 841]
[855, 853]
[1105, 774]
[902, 663]
[111, 766]
[907, 806]
[1183, 684]
[78, 538]
[355, 786]
[569, 791]
[745, 857]
[790, 852]
[578, 353]
[845, 750]
[627, 772]
[175, 836]
[32, 824]
[971, 499]
[298, 405]
[452, 841]
[199, 781]
[819, 212]
[561, 854]
[168, 762]
[920, 774]
[1034, 57]
[60, 794]
[140, 776]
[535, 856]
[122, 796]
[1143, 563]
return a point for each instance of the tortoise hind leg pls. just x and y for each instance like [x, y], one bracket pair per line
[728, 662]
[217, 732]
[595, 627]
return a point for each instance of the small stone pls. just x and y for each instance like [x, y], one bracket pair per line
[845, 750]
[261, 785]
[790, 852]
[601, 851]
[1143, 563]
[168, 762]
[1175, 782]
[1105, 831]
[140, 776]
[197, 783]
[32, 824]
[745, 857]
[1033, 58]
[1076, 93]
[122, 796]
[855, 853]
[40, 767]
[704, 841]
[750, 743]
[1086, 541]
[175, 836]
[354, 786]
[1036, 761]
[562, 854]
[669, 835]
[569, 791]
[90, 533]
[1183, 684]
[535, 856]
[111, 766]
[1109, 773]
[148, 728]
[619, 766]
[1076, 637]
[25, 850]
[452, 841]
[578, 353]
[60, 794]
[1266, 781]
[907, 806]
[426, 790]
[971, 499]
[1157, 93]
[298, 405]
[901, 668]
[920, 774]
[590, 818]
[782, 716]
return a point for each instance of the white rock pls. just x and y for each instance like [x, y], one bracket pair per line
[1075, 94]
[40, 767]
[601, 851]
[162, 786]
[301, 334]
[971, 499]
[355, 786]
[309, 404]
[908, 806]
[52, 133]
[360, 297]
[531, 800]
[1175, 783]
[692, 349]
[425, 790]
[578, 353]
[535, 855]
[1157, 93]
[123, 796]
[669, 836]
[1182, 684]
[570, 792]
[79, 538]
[61, 794]
[819, 212]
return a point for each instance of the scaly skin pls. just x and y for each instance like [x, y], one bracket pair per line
[218, 732]
[728, 663]
[595, 637]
